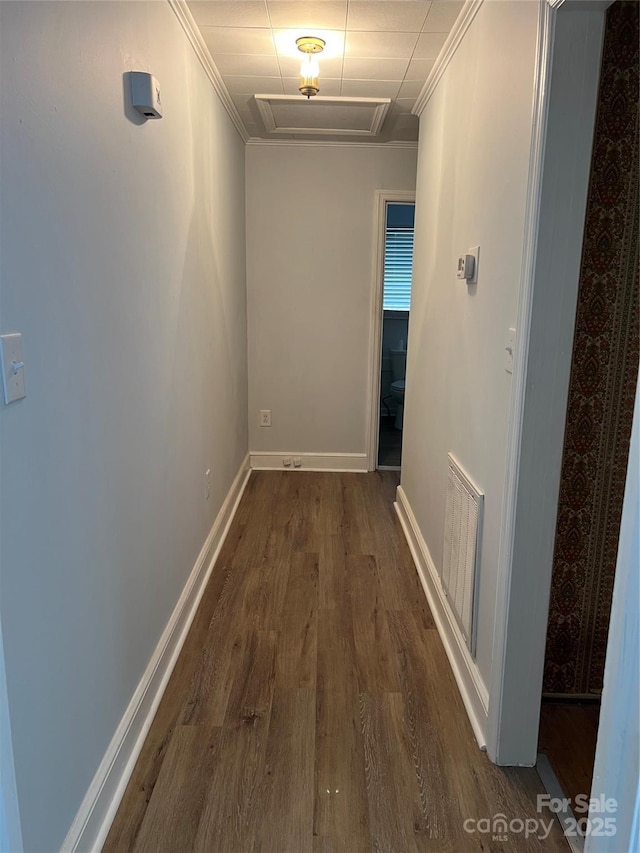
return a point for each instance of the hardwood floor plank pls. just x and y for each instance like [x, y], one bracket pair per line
[288, 775]
[358, 521]
[332, 574]
[171, 820]
[336, 667]
[253, 679]
[376, 662]
[426, 717]
[296, 660]
[262, 495]
[341, 809]
[306, 496]
[391, 789]
[231, 812]
[214, 675]
[234, 805]
[124, 830]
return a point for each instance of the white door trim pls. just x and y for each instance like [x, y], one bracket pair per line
[10, 828]
[538, 404]
[382, 198]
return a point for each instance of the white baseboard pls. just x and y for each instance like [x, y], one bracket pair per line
[263, 461]
[98, 808]
[470, 684]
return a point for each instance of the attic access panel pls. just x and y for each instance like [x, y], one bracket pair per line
[324, 116]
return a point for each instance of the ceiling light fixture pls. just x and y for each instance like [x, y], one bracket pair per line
[309, 70]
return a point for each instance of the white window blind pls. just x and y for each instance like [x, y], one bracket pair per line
[398, 268]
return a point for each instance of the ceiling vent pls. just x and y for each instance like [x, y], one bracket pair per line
[322, 116]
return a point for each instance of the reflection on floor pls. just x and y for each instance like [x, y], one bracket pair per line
[390, 445]
[568, 734]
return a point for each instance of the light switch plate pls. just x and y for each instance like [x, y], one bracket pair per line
[475, 254]
[12, 367]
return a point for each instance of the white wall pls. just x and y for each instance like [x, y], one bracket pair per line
[471, 189]
[310, 248]
[123, 265]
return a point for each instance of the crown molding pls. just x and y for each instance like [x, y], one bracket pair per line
[194, 35]
[333, 143]
[462, 24]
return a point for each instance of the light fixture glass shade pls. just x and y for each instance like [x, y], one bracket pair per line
[309, 73]
[309, 70]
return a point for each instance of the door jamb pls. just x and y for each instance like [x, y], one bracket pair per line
[522, 595]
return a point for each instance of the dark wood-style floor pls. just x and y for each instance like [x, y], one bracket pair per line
[568, 735]
[312, 709]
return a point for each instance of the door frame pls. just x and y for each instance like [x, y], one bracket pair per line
[554, 226]
[382, 199]
[10, 828]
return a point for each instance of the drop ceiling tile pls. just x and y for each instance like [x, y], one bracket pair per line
[238, 40]
[398, 45]
[419, 69]
[327, 14]
[247, 65]
[369, 88]
[328, 86]
[429, 45]
[253, 85]
[230, 13]
[442, 16]
[411, 89]
[387, 15]
[356, 68]
[290, 66]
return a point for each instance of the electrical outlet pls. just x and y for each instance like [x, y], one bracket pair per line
[286, 461]
[297, 462]
[265, 417]
[207, 484]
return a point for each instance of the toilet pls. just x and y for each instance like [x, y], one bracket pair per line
[398, 371]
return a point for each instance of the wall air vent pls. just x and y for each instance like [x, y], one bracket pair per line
[462, 535]
[293, 115]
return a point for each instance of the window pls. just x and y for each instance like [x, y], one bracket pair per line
[398, 257]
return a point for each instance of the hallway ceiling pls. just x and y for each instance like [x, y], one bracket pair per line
[382, 49]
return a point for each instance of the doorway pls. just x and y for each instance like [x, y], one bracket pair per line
[604, 372]
[392, 303]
